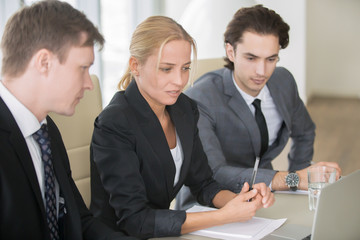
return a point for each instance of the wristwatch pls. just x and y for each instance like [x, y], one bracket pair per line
[292, 180]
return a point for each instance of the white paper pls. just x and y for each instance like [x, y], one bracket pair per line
[256, 228]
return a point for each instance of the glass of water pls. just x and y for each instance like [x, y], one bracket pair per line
[319, 177]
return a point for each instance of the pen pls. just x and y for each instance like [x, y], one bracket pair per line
[253, 176]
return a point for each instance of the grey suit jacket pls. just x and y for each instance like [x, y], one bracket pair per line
[231, 137]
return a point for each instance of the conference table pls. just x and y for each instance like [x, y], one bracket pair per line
[288, 205]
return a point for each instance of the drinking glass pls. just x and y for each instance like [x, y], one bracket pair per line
[318, 178]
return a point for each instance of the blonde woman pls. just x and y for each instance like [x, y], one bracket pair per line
[146, 146]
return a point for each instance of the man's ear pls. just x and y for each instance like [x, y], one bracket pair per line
[134, 66]
[43, 60]
[230, 51]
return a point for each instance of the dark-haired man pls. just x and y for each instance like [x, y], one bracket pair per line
[228, 126]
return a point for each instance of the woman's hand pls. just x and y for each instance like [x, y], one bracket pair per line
[268, 198]
[232, 208]
[240, 208]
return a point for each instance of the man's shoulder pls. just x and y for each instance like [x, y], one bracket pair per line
[282, 79]
[208, 83]
[211, 78]
[282, 75]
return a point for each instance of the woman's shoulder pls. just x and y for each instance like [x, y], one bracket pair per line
[115, 112]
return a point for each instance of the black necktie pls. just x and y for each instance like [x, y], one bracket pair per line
[261, 122]
[42, 138]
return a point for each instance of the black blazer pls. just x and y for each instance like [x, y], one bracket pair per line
[133, 171]
[22, 211]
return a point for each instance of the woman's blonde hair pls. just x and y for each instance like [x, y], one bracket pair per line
[151, 35]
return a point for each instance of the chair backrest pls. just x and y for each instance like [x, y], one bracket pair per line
[207, 65]
[76, 132]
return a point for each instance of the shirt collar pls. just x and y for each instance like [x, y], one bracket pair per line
[24, 118]
[263, 94]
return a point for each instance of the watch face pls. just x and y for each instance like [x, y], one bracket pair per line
[292, 180]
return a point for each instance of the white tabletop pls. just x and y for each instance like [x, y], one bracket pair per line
[294, 207]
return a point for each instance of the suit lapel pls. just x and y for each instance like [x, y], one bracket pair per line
[241, 109]
[275, 92]
[153, 132]
[16, 139]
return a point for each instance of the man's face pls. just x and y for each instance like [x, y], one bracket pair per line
[254, 61]
[69, 80]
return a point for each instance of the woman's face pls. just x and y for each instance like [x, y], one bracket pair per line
[162, 84]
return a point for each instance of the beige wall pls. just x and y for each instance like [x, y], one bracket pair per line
[333, 48]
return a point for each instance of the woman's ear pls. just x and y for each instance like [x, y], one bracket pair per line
[134, 66]
[230, 52]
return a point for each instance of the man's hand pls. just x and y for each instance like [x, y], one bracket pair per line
[268, 198]
[278, 182]
[303, 185]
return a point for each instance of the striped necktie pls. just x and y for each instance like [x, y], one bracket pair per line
[43, 139]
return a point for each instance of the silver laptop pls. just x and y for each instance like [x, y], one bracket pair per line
[337, 215]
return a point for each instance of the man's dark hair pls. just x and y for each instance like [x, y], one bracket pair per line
[257, 19]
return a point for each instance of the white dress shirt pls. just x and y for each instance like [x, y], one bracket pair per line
[178, 156]
[268, 107]
[28, 125]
